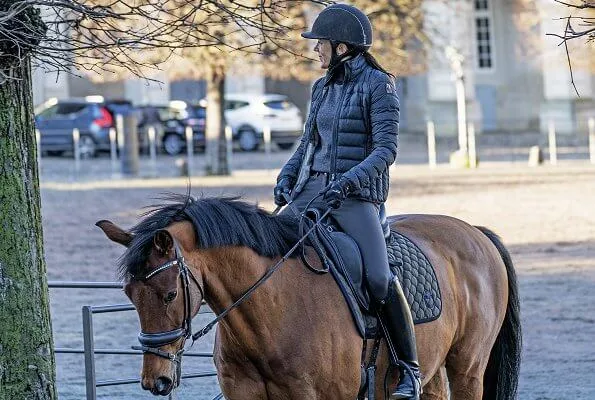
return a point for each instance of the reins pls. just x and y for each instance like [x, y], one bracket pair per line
[302, 224]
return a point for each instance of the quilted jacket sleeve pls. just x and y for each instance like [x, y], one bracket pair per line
[292, 167]
[384, 121]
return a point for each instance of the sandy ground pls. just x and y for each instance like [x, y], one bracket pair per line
[545, 216]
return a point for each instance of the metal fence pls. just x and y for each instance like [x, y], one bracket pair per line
[89, 351]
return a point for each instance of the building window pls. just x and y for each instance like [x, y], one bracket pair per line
[481, 5]
[484, 48]
[484, 35]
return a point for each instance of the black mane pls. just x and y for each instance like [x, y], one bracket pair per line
[218, 222]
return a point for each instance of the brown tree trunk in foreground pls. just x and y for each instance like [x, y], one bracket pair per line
[215, 149]
[27, 367]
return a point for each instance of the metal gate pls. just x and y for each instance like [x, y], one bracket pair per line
[89, 351]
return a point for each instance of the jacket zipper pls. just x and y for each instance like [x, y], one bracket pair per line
[335, 134]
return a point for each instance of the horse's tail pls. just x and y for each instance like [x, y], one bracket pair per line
[501, 378]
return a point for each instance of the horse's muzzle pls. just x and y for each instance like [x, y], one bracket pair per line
[163, 386]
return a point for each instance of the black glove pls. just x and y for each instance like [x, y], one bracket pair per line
[283, 187]
[335, 193]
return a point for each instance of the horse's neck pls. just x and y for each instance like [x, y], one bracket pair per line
[274, 309]
[231, 271]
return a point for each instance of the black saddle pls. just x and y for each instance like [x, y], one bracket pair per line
[343, 258]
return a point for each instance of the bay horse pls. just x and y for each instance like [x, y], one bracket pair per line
[294, 337]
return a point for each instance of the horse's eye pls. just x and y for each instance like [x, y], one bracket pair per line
[171, 296]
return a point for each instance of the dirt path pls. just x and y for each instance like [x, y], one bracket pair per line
[545, 215]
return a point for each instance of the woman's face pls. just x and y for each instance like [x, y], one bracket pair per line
[325, 52]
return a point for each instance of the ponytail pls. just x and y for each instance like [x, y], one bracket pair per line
[353, 51]
[375, 64]
[370, 59]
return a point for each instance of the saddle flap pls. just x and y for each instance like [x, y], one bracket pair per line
[345, 256]
[348, 252]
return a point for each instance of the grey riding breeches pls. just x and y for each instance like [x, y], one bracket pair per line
[358, 219]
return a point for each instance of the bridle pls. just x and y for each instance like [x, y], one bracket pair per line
[151, 342]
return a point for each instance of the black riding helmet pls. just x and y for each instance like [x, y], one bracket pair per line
[341, 23]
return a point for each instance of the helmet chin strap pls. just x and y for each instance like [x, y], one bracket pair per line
[334, 56]
[336, 59]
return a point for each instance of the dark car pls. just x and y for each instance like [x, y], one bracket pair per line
[92, 116]
[170, 122]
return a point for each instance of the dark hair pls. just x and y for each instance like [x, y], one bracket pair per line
[375, 64]
[353, 50]
[370, 59]
[218, 222]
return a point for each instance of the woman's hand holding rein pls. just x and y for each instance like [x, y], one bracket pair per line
[283, 188]
[336, 192]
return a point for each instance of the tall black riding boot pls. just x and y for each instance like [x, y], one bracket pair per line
[399, 324]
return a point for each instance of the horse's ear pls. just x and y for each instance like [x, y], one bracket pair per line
[115, 233]
[163, 242]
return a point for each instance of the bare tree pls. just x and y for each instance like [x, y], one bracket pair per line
[93, 36]
[581, 25]
[110, 35]
[282, 54]
[276, 51]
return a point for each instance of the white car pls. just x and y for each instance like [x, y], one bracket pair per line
[249, 114]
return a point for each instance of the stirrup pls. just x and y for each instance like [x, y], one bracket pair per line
[414, 378]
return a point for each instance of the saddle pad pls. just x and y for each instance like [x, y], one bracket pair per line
[407, 262]
[417, 277]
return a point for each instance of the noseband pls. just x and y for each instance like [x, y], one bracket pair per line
[151, 342]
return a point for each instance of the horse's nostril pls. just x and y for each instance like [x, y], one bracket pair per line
[144, 384]
[163, 385]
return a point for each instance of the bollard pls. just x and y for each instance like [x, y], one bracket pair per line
[76, 136]
[471, 144]
[189, 149]
[229, 147]
[129, 157]
[113, 151]
[431, 144]
[552, 143]
[151, 133]
[38, 145]
[592, 140]
[266, 135]
[120, 131]
[535, 156]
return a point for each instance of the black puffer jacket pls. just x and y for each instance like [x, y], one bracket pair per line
[365, 131]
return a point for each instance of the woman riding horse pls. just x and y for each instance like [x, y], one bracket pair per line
[342, 162]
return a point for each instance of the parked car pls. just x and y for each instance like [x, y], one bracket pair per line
[249, 114]
[171, 121]
[93, 116]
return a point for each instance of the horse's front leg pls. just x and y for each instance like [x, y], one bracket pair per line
[242, 382]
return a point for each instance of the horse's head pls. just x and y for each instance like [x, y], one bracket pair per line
[166, 294]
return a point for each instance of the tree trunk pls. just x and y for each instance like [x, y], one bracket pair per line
[27, 367]
[215, 149]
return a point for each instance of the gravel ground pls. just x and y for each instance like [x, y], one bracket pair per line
[545, 215]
